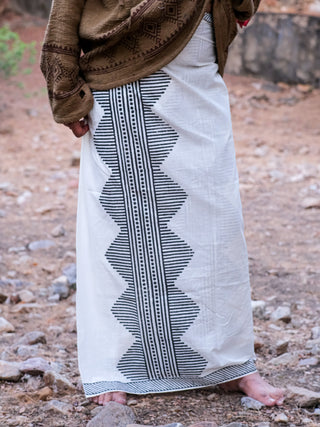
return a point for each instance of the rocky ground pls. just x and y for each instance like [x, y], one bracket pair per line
[277, 136]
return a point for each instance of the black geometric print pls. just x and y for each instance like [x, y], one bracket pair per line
[133, 142]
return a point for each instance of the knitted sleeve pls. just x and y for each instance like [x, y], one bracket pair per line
[245, 9]
[69, 95]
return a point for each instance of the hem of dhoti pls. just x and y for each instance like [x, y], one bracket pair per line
[166, 385]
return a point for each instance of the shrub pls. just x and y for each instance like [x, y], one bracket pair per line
[12, 51]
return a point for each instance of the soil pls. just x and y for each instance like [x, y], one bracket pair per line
[277, 133]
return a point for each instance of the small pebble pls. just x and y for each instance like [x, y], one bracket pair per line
[40, 245]
[281, 418]
[249, 403]
[6, 326]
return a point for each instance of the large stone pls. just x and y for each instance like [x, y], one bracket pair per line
[113, 415]
[58, 382]
[304, 397]
[9, 371]
[35, 366]
[6, 326]
[59, 407]
[285, 359]
[33, 337]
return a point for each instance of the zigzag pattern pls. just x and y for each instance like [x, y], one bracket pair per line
[141, 199]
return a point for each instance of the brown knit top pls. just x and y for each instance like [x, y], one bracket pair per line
[100, 44]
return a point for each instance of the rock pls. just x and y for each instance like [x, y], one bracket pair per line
[263, 425]
[75, 160]
[34, 337]
[71, 272]
[249, 403]
[14, 298]
[282, 347]
[316, 411]
[44, 393]
[16, 249]
[258, 343]
[235, 425]
[315, 332]
[54, 298]
[6, 326]
[132, 402]
[35, 366]
[58, 231]
[296, 322]
[306, 421]
[3, 213]
[311, 361]
[58, 406]
[27, 296]
[32, 112]
[303, 397]
[26, 308]
[17, 421]
[200, 424]
[96, 410]
[281, 418]
[60, 286]
[9, 371]
[176, 425]
[282, 313]
[59, 383]
[284, 359]
[3, 297]
[113, 415]
[40, 245]
[24, 197]
[258, 309]
[27, 351]
[310, 203]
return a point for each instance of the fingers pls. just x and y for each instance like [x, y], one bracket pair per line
[79, 128]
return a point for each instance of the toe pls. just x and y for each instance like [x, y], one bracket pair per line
[120, 397]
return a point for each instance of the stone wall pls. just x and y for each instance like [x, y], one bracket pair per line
[278, 47]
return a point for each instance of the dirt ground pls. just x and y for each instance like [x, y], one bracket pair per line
[277, 135]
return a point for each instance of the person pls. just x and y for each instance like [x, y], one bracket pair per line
[163, 294]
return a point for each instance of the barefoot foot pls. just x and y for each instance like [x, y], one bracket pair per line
[116, 396]
[255, 386]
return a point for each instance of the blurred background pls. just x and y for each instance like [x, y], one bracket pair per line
[273, 77]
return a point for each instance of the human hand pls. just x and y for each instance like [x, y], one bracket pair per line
[79, 128]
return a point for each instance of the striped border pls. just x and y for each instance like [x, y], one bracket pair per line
[220, 376]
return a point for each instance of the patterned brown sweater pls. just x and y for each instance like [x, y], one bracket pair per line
[100, 44]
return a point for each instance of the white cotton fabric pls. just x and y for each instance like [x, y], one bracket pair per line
[202, 162]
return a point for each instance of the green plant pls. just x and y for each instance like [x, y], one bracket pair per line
[12, 51]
